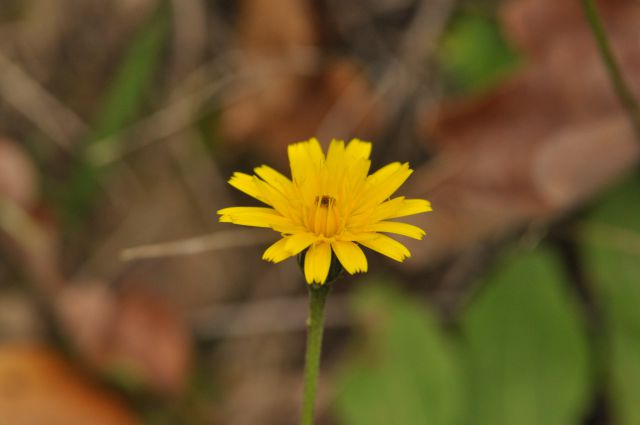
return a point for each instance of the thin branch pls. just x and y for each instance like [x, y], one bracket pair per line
[35, 247]
[613, 68]
[188, 108]
[405, 73]
[31, 99]
[260, 317]
[197, 245]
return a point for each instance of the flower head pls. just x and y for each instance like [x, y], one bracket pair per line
[331, 204]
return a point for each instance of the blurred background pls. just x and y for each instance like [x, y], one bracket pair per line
[123, 301]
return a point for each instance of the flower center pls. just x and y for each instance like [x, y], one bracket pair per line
[325, 201]
[323, 217]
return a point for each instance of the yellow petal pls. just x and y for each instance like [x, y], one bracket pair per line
[404, 229]
[277, 252]
[398, 207]
[386, 181]
[351, 256]
[253, 216]
[288, 246]
[367, 214]
[384, 210]
[298, 163]
[288, 228]
[386, 246]
[246, 183]
[274, 178]
[356, 177]
[411, 207]
[274, 197]
[314, 151]
[317, 262]
[380, 186]
[335, 168]
[299, 241]
[246, 210]
[385, 172]
[358, 149]
[335, 153]
[348, 236]
[305, 158]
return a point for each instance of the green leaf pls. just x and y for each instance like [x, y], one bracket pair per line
[527, 347]
[405, 372]
[473, 53]
[613, 254]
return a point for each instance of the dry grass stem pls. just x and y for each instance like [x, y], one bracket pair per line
[198, 245]
[42, 108]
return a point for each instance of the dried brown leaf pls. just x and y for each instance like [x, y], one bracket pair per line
[26, 231]
[540, 144]
[38, 387]
[292, 90]
[18, 177]
[135, 334]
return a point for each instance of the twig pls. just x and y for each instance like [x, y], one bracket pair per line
[33, 244]
[407, 77]
[28, 97]
[405, 73]
[197, 245]
[283, 314]
[613, 68]
[187, 109]
[421, 38]
[190, 33]
[16, 223]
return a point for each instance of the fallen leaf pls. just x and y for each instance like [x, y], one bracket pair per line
[19, 318]
[134, 336]
[38, 387]
[26, 230]
[18, 177]
[540, 144]
[287, 91]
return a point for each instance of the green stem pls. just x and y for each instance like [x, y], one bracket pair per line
[613, 69]
[317, 300]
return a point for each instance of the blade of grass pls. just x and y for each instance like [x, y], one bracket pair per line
[123, 101]
[133, 79]
[613, 68]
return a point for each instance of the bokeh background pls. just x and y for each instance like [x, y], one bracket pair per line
[123, 301]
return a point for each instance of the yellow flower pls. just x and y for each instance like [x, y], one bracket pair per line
[331, 204]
